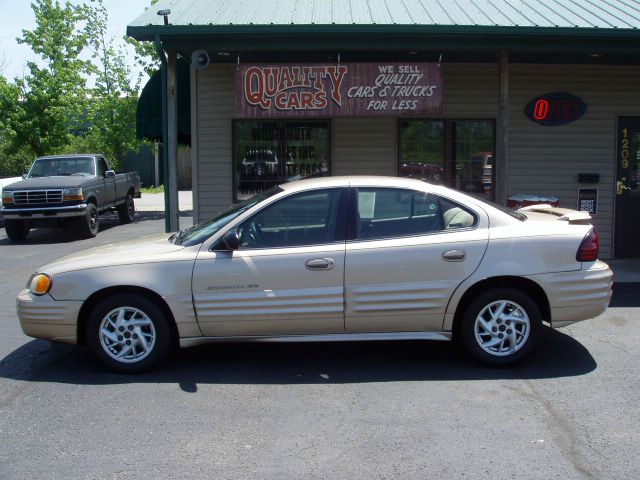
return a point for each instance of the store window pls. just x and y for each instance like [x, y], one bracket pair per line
[267, 153]
[455, 153]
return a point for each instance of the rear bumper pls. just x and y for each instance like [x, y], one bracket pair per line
[44, 317]
[578, 295]
[44, 213]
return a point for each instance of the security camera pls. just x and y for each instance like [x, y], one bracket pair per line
[200, 59]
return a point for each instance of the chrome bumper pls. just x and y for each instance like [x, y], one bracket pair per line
[44, 212]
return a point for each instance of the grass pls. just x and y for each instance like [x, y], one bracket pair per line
[152, 189]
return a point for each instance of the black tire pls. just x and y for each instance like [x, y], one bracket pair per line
[17, 230]
[150, 338]
[127, 210]
[89, 224]
[483, 323]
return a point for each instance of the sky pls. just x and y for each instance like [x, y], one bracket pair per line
[17, 15]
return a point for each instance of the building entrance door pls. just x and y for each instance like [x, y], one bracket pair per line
[455, 153]
[627, 229]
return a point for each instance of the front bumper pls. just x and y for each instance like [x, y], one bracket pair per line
[44, 212]
[44, 317]
[578, 295]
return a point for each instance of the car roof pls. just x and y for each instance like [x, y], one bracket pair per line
[72, 155]
[498, 216]
[354, 180]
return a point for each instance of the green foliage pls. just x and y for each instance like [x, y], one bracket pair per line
[112, 111]
[149, 190]
[52, 95]
[66, 104]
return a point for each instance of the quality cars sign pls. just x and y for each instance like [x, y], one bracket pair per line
[342, 90]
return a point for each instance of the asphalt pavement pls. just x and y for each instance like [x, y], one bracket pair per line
[322, 411]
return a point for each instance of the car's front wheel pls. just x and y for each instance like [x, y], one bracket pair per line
[501, 326]
[128, 333]
[17, 230]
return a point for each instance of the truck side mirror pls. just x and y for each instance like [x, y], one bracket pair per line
[231, 240]
[109, 174]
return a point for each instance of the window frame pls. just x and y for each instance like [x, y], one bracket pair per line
[281, 125]
[340, 233]
[449, 138]
[353, 213]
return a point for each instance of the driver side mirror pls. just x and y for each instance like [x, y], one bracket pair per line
[231, 240]
[109, 174]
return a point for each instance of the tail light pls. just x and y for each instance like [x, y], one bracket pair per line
[589, 248]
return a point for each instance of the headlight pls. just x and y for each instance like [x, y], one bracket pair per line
[7, 197]
[70, 194]
[39, 283]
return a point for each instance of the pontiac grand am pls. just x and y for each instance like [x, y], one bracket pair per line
[330, 259]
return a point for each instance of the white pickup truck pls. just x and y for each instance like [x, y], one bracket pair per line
[63, 188]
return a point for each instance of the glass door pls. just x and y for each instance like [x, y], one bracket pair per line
[627, 242]
[422, 151]
[472, 157]
[455, 153]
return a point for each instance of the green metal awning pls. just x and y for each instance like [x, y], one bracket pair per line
[216, 14]
[567, 31]
[149, 112]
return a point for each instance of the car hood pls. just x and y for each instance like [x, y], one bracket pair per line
[154, 248]
[48, 183]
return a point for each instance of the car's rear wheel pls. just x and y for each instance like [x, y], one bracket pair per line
[127, 210]
[501, 326]
[17, 230]
[128, 333]
[89, 224]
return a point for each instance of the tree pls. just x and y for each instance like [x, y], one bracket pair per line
[52, 97]
[111, 111]
[13, 161]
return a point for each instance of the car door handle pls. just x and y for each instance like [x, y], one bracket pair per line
[454, 255]
[320, 264]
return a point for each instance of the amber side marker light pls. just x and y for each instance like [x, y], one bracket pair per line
[589, 248]
[40, 284]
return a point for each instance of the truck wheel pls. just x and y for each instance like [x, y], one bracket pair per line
[17, 230]
[127, 210]
[501, 326]
[129, 333]
[89, 224]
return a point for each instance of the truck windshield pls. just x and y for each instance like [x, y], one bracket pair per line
[62, 166]
[199, 233]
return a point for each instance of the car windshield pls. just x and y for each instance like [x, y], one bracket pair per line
[199, 233]
[62, 166]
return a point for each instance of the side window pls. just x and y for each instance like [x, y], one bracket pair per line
[308, 218]
[455, 216]
[387, 212]
[102, 167]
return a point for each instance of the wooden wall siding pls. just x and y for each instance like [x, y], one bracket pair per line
[470, 90]
[363, 146]
[216, 108]
[547, 160]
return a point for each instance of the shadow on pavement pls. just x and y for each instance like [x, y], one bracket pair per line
[67, 233]
[625, 295]
[559, 355]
